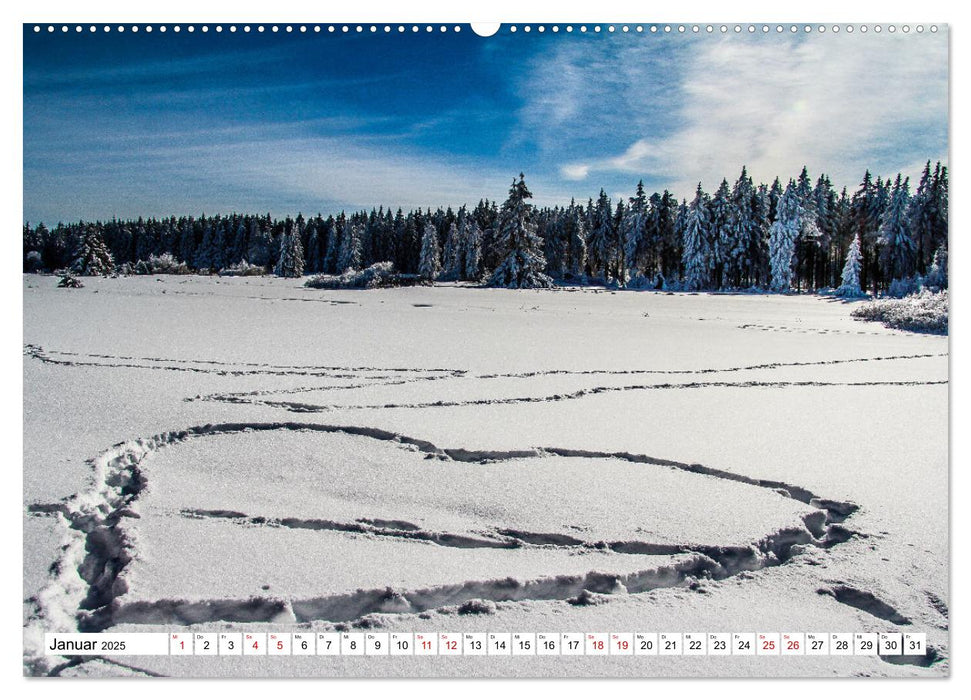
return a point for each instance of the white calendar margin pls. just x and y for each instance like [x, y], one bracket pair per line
[434, 11]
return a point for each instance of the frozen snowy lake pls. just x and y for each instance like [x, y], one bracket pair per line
[246, 453]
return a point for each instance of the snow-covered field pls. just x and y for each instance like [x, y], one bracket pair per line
[249, 454]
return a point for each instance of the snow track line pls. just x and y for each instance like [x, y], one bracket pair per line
[299, 407]
[713, 563]
[816, 331]
[215, 366]
[125, 361]
[865, 601]
[520, 539]
[247, 397]
[88, 580]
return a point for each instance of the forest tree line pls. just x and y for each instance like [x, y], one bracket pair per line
[801, 236]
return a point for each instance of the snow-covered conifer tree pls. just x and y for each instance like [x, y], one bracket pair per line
[898, 247]
[473, 251]
[290, 262]
[519, 247]
[203, 256]
[576, 242]
[454, 258]
[634, 229]
[429, 264]
[259, 244]
[721, 234]
[851, 271]
[333, 249]
[349, 255]
[600, 246]
[696, 255]
[92, 257]
[743, 236]
[782, 238]
[937, 274]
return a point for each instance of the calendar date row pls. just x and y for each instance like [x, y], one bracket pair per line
[489, 644]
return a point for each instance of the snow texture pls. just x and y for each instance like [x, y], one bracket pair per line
[463, 459]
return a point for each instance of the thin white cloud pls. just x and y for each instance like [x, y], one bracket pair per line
[256, 172]
[838, 104]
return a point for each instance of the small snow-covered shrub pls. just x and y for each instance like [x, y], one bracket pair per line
[924, 312]
[380, 274]
[242, 269]
[164, 264]
[69, 282]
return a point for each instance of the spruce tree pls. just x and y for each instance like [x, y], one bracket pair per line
[92, 256]
[720, 231]
[937, 274]
[782, 238]
[696, 248]
[290, 262]
[454, 258]
[519, 247]
[600, 246]
[473, 252]
[898, 248]
[634, 231]
[429, 264]
[333, 249]
[850, 286]
[742, 230]
[349, 255]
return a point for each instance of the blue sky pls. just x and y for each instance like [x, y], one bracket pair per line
[156, 124]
